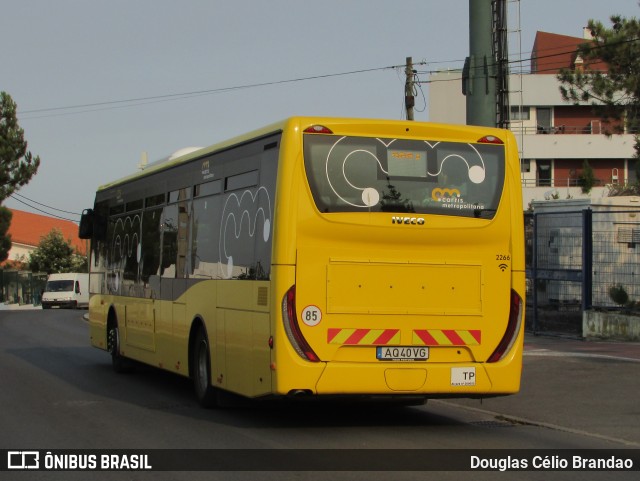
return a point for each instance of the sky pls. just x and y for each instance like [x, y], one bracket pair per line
[99, 82]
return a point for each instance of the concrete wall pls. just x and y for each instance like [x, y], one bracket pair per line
[611, 326]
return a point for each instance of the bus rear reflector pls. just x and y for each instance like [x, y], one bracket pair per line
[490, 139]
[317, 129]
[292, 328]
[513, 328]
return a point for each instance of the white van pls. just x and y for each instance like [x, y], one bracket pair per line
[66, 290]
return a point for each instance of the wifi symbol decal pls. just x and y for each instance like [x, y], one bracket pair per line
[503, 267]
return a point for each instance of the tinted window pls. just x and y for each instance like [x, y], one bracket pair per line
[205, 237]
[122, 260]
[150, 252]
[357, 174]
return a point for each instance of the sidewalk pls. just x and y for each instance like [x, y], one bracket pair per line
[18, 307]
[537, 345]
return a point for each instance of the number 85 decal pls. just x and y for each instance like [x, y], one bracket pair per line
[311, 315]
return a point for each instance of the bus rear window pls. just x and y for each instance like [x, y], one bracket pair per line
[360, 174]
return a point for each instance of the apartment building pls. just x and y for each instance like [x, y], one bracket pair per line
[555, 137]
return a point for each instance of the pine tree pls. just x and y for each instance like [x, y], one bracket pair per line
[17, 164]
[616, 90]
[5, 239]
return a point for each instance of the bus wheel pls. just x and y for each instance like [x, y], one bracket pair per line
[207, 395]
[120, 364]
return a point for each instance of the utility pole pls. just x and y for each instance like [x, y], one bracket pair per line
[409, 98]
[479, 77]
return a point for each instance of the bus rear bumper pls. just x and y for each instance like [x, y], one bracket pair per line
[441, 379]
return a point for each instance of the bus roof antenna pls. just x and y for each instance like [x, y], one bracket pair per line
[144, 161]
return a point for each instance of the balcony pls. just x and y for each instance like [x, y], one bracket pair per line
[559, 182]
[595, 128]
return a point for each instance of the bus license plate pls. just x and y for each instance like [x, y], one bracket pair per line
[402, 353]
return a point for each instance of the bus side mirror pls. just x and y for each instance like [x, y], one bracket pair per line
[85, 231]
[92, 225]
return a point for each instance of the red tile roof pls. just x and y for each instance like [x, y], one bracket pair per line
[28, 229]
[553, 52]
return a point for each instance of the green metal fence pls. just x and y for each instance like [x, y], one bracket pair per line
[579, 261]
[21, 287]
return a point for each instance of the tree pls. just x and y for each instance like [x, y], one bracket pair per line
[17, 164]
[618, 294]
[616, 90]
[54, 255]
[5, 239]
[587, 179]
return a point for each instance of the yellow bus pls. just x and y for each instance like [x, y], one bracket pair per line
[318, 257]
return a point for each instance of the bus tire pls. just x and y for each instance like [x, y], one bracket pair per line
[119, 363]
[201, 357]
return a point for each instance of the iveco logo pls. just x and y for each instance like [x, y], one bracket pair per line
[407, 220]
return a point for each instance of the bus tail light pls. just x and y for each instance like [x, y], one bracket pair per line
[513, 328]
[292, 328]
[317, 129]
[490, 139]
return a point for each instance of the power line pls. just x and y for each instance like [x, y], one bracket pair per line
[43, 211]
[45, 205]
[177, 96]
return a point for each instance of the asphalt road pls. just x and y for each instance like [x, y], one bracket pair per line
[57, 392]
